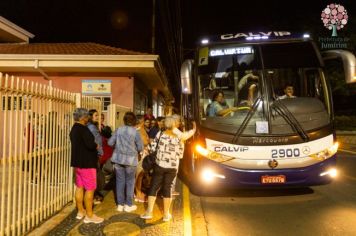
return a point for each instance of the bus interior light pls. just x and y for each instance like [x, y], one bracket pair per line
[331, 172]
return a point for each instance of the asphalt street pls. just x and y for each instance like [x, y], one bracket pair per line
[321, 210]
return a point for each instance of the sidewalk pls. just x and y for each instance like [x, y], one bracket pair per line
[119, 223]
[347, 140]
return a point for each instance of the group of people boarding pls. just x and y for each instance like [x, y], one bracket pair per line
[131, 143]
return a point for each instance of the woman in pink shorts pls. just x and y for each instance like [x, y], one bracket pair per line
[84, 159]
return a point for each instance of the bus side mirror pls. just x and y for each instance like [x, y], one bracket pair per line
[348, 61]
[186, 76]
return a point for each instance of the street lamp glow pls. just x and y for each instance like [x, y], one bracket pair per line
[306, 36]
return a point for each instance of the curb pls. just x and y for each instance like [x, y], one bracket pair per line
[199, 224]
[52, 222]
[347, 137]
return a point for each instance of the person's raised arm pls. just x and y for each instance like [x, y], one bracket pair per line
[185, 135]
[224, 112]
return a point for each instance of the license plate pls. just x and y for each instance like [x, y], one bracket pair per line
[273, 179]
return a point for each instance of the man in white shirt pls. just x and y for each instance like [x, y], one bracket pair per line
[288, 92]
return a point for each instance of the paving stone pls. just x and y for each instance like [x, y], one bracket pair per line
[122, 223]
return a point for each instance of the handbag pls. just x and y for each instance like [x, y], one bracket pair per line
[148, 163]
[108, 167]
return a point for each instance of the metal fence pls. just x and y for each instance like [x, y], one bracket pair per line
[35, 175]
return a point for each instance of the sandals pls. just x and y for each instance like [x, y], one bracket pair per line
[167, 217]
[140, 200]
[80, 215]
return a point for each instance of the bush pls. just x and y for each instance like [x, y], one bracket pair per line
[345, 123]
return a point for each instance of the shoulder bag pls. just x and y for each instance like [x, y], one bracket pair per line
[149, 161]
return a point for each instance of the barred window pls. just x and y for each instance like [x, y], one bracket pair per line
[105, 102]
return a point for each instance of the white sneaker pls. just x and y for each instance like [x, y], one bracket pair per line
[94, 219]
[130, 208]
[120, 208]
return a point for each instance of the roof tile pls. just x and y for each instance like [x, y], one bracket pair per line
[64, 49]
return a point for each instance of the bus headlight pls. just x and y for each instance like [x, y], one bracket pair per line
[211, 154]
[333, 149]
[326, 153]
[208, 175]
[202, 151]
[332, 173]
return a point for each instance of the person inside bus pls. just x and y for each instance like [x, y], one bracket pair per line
[247, 87]
[219, 106]
[288, 92]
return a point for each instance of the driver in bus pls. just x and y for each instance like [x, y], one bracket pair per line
[288, 92]
[219, 106]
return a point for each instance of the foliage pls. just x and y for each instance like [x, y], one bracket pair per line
[345, 123]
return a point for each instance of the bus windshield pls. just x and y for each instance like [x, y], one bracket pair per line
[282, 84]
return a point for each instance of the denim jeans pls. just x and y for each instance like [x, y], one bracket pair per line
[125, 180]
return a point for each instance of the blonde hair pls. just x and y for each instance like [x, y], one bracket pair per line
[169, 122]
[177, 119]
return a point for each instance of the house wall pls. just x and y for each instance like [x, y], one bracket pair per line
[122, 87]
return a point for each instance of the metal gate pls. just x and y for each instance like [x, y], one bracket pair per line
[35, 175]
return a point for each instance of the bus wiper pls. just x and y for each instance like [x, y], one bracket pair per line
[291, 120]
[246, 120]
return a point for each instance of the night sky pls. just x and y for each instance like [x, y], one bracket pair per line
[246, 16]
[117, 23]
[127, 23]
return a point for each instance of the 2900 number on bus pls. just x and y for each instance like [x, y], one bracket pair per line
[287, 152]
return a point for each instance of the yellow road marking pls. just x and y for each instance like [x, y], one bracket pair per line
[186, 212]
[347, 151]
[350, 177]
